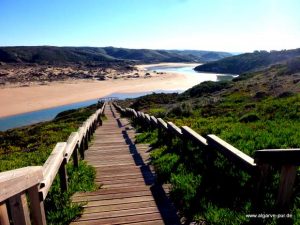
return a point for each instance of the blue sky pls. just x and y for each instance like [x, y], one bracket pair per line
[227, 25]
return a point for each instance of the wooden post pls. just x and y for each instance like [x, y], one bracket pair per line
[19, 209]
[37, 206]
[63, 175]
[81, 148]
[4, 220]
[75, 156]
[287, 179]
[100, 121]
[86, 142]
[260, 176]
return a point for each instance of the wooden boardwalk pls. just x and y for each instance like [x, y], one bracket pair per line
[128, 194]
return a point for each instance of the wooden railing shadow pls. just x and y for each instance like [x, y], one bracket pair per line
[258, 167]
[164, 205]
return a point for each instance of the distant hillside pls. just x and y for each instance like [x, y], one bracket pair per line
[248, 62]
[95, 55]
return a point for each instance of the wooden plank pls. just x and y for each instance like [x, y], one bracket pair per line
[15, 181]
[287, 180]
[71, 145]
[103, 191]
[109, 208]
[134, 113]
[232, 153]
[162, 124]
[19, 209]
[120, 213]
[174, 129]
[124, 196]
[37, 206]
[51, 167]
[147, 117]
[122, 220]
[193, 136]
[63, 177]
[113, 196]
[278, 156]
[4, 220]
[153, 121]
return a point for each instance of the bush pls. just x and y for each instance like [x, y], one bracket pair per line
[184, 188]
[250, 117]
[207, 87]
[165, 165]
[181, 110]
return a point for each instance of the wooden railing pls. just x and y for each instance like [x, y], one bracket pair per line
[259, 166]
[35, 181]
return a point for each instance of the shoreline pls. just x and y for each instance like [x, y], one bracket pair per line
[19, 100]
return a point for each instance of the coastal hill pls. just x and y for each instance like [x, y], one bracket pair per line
[95, 55]
[249, 61]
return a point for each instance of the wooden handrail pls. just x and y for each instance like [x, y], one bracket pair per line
[37, 180]
[174, 129]
[278, 156]
[51, 167]
[193, 135]
[287, 158]
[162, 124]
[72, 142]
[231, 152]
[15, 181]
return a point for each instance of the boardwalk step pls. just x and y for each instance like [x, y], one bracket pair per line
[127, 195]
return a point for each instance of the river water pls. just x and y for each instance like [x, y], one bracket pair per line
[48, 114]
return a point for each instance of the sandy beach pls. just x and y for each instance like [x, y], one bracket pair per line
[17, 100]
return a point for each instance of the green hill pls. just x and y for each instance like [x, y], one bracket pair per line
[248, 62]
[84, 55]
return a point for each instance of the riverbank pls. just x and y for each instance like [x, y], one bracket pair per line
[17, 100]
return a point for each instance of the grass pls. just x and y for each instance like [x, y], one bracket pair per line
[31, 145]
[206, 187]
[59, 207]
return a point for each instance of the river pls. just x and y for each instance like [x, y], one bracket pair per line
[48, 114]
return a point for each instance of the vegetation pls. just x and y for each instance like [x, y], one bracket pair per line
[249, 61]
[260, 111]
[31, 145]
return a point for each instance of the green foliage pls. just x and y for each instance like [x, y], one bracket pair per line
[158, 112]
[59, 207]
[184, 188]
[206, 87]
[183, 109]
[250, 117]
[215, 215]
[152, 100]
[147, 137]
[165, 165]
[31, 145]
[246, 123]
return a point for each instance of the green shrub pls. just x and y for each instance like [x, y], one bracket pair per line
[165, 165]
[184, 188]
[181, 110]
[59, 208]
[207, 87]
[250, 117]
